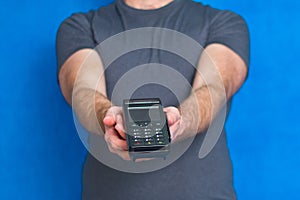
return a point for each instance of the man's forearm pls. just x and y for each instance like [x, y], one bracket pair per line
[220, 74]
[200, 108]
[90, 107]
[83, 86]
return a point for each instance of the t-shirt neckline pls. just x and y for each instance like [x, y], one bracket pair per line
[164, 8]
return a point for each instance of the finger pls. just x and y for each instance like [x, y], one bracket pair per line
[108, 132]
[113, 139]
[173, 129]
[171, 118]
[110, 117]
[118, 144]
[119, 126]
[173, 114]
[123, 154]
[111, 149]
[172, 109]
[109, 120]
[143, 159]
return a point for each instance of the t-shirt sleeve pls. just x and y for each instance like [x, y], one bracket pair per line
[74, 33]
[230, 29]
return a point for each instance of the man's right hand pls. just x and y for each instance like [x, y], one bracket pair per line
[115, 132]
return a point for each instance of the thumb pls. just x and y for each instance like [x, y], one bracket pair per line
[109, 121]
[173, 115]
[110, 117]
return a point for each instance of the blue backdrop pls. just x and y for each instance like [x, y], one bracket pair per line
[41, 155]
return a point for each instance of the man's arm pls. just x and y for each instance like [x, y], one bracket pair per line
[83, 85]
[83, 90]
[221, 72]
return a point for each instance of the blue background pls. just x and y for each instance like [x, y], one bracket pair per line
[41, 155]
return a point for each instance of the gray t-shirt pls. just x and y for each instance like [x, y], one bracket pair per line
[188, 177]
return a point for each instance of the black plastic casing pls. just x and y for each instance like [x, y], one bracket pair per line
[139, 130]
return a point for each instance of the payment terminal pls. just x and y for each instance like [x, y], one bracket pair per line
[147, 131]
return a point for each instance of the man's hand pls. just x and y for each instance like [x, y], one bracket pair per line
[174, 121]
[181, 126]
[115, 132]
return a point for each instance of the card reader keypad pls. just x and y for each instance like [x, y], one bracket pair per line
[151, 134]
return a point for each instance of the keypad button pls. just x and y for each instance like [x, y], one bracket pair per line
[150, 142]
[137, 141]
[159, 136]
[144, 134]
[137, 134]
[160, 142]
[149, 139]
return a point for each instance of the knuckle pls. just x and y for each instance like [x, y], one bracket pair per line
[111, 149]
[114, 145]
[106, 136]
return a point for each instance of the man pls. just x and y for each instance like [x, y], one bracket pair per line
[224, 37]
